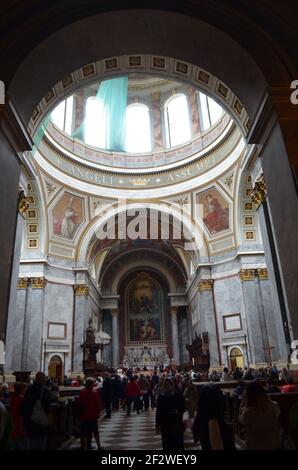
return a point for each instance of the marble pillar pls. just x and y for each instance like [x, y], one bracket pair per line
[14, 139]
[81, 317]
[175, 335]
[194, 111]
[15, 328]
[115, 337]
[18, 288]
[156, 116]
[209, 321]
[33, 326]
[257, 334]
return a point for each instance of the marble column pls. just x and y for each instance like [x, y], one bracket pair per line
[33, 326]
[14, 139]
[194, 111]
[81, 318]
[257, 334]
[15, 328]
[15, 319]
[209, 321]
[175, 335]
[115, 337]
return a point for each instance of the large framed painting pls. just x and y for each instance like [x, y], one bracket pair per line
[68, 215]
[145, 305]
[214, 210]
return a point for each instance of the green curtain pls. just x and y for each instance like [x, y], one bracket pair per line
[113, 96]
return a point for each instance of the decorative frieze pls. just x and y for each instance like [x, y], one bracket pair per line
[23, 203]
[259, 191]
[23, 283]
[247, 274]
[262, 274]
[205, 284]
[81, 289]
[38, 282]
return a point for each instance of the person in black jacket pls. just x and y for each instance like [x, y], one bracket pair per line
[36, 430]
[169, 417]
[107, 393]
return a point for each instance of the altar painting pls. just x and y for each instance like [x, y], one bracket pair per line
[145, 309]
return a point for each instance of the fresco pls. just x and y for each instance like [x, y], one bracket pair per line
[214, 210]
[68, 215]
[145, 307]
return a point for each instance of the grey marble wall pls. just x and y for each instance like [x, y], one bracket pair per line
[81, 317]
[183, 334]
[15, 332]
[107, 328]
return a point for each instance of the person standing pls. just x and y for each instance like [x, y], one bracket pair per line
[107, 393]
[89, 405]
[35, 409]
[132, 394]
[19, 439]
[169, 417]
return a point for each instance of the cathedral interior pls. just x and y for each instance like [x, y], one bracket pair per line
[148, 185]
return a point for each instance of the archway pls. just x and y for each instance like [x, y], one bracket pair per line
[55, 367]
[236, 359]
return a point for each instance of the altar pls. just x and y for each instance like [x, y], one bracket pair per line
[146, 355]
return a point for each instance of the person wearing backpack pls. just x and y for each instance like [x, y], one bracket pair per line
[35, 409]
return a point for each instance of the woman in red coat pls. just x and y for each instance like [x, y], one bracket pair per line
[90, 405]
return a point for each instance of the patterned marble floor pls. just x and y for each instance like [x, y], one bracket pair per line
[134, 432]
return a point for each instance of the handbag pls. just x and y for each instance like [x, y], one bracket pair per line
[38, 415]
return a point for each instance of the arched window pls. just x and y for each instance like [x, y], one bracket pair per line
[177, 121]
[62, 115]
[95, 123]
[211, 112]
[138, 129]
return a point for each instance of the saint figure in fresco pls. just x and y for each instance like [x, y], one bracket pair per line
[217, 217]
[68, 221]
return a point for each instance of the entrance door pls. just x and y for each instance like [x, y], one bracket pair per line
[236, 358]
[55, 367]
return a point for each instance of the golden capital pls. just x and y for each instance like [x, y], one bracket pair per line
[205, 284]
[247, 274]
[262, 274]
[38, 282]
[23, 283]
[259, 191]
[23, 203]
[174, 310]
[81, 289]
[115, 312]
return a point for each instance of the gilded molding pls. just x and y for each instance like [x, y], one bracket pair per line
[205, 284]
[262, 274]
[23, 203]
[259, 192]
[81, 290]
[247, 274]
[23, 283]
[38, 282]
[174, 310]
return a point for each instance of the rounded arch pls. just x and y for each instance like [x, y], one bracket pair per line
[195, 229]
[138, 128]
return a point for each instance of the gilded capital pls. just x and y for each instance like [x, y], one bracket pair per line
[205, 284]
[23, 203]
[38, 282]
[262, 274]
[115, 312]
[259, 192]
[23, 283]
[247, 274]
[174, 310]
[81, 289]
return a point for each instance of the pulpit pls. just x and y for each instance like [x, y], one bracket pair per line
[198, 350]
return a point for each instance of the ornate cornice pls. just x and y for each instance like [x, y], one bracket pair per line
[23, 203]
[205, 284]
[247, 274]
[262, 274]
[81, 290]
[259, 191]
[38, 282]
[23, 283]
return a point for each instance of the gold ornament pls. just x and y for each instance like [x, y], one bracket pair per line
[23, 203]
[205, 284]
[247, 274]
[81, 289]
[38, 282]
[259, 192]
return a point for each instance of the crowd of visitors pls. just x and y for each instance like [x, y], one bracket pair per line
[180, 400]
